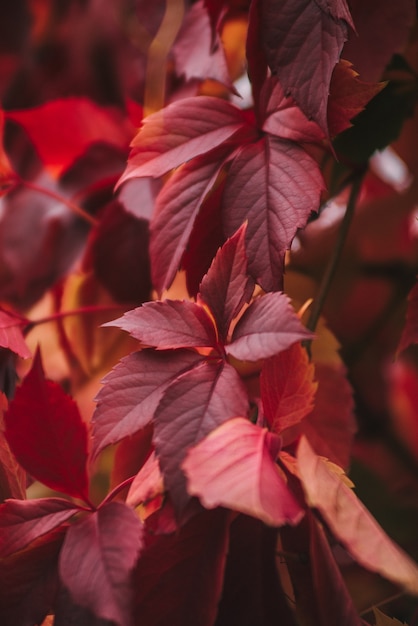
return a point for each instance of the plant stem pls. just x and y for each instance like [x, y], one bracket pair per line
[81, 311]
[156, 73]
[329, 274]
[75, 208]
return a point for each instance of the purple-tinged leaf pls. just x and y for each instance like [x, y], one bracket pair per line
[11, 335]
[198, 55]
[234, 467]
[29, 581]
[97, 559]
[47, 435]
[267, 327]
[351, 522]
[169, 324]
[175, 213]
[179, 132]
[227, 287]
[132, 391]
[193, 406]
[179, 576]
[23, 521]
[302, 41]
[275, 185]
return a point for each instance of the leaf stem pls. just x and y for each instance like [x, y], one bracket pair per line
[75, 208]
[81, 311]
[329, 274]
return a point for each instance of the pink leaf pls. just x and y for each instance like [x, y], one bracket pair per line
[227, 287]
[97, 559]
[410, 331]
[23, 521]
[147, 484]
[132, 392]
[351, 523]
[175, 213]
[47, 435]
[62, 130]
[287, 388]
[180, 132]
[267, 327]
[194, 405]
[303, 40]
[274, 184]
[196, 53]
[234, 466]
[11, 335]
[169, 324]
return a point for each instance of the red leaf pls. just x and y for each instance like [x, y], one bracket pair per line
[179, 577]
[62, 130]
[403, 396]
[287, 388]
[23, 521]
[348, 96]
[29, 580]
[97, 560]
[11, 335]
[410, 331]
[331, 425]
[180, 132]
[175, 213]
[47, 435]
[198, 54]
[132, 392]
[351, 523]
[169, 324]
[234, 466]
[194, 405]
[382, 28]
[274, 184]
[303, 40]
[227, 287]
[268, 326]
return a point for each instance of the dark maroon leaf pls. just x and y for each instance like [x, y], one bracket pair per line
[334, 602]
[226, 286]
[12, 475]
[198, 54]
[169, 324]
[179, 576]
[410, 332]
[205, 239]
[267, 327]
[234, 467]
[194, 405]
[176, 210]
[67, 613]
[23, 521]
[133, 390]
[275, 185]
[29, 581]
[252, 592]
[303, 40]
[118, 254]
[97, 560]
[47, 435]
[180, 132]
